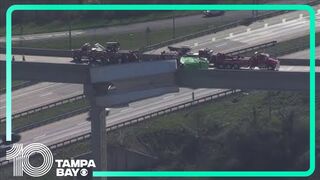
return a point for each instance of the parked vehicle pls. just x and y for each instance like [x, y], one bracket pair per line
[209, 13]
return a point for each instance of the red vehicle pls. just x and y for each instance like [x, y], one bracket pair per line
[224, 61]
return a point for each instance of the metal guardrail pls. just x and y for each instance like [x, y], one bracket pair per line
[52, 119]
[139, 119]
[47, 106]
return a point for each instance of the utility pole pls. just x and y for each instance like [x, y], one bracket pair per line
[21, 34]
[131, 40]
[21, 30]
[147, 36]
[69, 23]
[253, 11]
[173, 26]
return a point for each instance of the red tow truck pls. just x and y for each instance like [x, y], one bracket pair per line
[224, 61]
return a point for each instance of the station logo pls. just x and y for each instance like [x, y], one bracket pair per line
[20, 157]
[73, 167]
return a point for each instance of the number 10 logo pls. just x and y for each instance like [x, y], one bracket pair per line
[21, 159]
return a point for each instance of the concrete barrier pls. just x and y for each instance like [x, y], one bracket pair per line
[245, 79]
[297, 62]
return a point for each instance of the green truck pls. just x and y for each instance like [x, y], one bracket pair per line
[193, 62]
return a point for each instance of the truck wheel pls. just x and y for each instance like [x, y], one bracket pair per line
[236, 66]
[272, 68]
[77, 58]
[221, 66]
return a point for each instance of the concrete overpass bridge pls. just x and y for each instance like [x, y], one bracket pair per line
[134, 81]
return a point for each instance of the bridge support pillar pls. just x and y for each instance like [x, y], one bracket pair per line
[97, 116]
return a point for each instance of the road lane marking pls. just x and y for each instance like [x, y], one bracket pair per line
[168, 97]
[46, 94]
[40, 137]
[82, 123]
[126, 109]
[223, 44]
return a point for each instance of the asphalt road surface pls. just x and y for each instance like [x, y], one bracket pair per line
[38, 95]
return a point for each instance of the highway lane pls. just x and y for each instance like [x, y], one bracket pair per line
[38, 95]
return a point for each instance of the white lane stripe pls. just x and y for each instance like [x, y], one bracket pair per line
[168, 97]
[276, 36]
[270, 36]
[262, 32]
[39, 137]
[126, 109]
[46, 94]
[223, 44]
[279, 25]
[82, 123]
[253, 36]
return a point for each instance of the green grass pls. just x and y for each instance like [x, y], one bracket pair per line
[220, 134]
[76, 24]
[127, 41]
[45, 114]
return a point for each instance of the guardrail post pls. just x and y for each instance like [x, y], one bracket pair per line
[98, 129]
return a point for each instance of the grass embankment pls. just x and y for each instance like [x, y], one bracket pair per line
[257, 130]
[76, 24]
[127, 40]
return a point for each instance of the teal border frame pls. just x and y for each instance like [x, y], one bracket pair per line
[137, 7]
